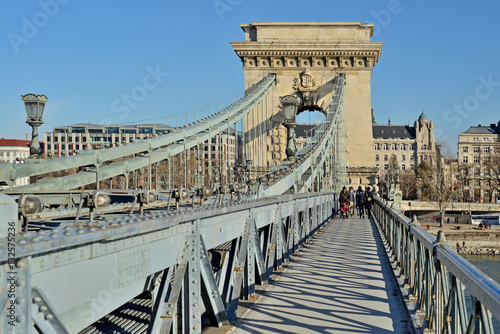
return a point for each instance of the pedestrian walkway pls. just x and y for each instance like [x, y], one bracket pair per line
[341, 283]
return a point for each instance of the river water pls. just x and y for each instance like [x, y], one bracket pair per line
[490, 265]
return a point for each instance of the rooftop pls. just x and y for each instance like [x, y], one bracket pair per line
[393, 132]
[14, 142]
[491, 129]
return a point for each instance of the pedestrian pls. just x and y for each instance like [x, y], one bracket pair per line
[458, 246]
[360, 202]
[369, 201]
[343, 199]
[463, 244]
[352, 200]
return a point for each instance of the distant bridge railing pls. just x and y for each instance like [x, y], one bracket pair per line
[436, 278]
[64, 277]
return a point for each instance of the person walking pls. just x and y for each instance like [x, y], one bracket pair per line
[344, 199]
[352, 200]
[360, 202]
[369, 201]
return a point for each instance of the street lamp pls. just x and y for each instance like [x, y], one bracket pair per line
[289, 106]
[35, 105]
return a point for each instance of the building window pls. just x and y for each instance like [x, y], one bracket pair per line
[465, 149]
[476, 159]
[395, 147]
[48, 138]
[487, 172]
[403, 158]
[385, 157]
[477, 183]
[377, 158]
[386, 167]
[412, 158]
[403, 147]
[424, 147]
[476, 149]
[486, 160]
[48, 147]
[56, 139]
[377, 147]
[486, 149]
[425, 157]
[403, 167]
[465, 159]
[477, 172]
[386, 147]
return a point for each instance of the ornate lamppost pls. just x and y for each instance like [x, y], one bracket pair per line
[289, 106]
[35, 104]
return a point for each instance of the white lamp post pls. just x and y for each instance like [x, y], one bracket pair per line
[289, 105]
[35, 105]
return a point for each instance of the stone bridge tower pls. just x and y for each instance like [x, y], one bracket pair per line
[306, 57]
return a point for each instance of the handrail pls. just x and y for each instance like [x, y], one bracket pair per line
[423, 257]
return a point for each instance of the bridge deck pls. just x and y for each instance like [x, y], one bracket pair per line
[341, 283]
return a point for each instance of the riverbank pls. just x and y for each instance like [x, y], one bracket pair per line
[469, 239]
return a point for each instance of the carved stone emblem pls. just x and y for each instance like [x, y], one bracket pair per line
[305, 82]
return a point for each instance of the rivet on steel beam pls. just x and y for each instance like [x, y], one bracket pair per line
[20, 264]
[42, 308]
[37, 300]
[20, 318]
[19, 282]
[19, 300]
[49, 317]
[68, 234]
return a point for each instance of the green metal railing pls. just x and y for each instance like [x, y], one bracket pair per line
[437, 278]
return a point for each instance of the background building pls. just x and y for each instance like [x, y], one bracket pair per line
[15, 151]
[404, 145]
[478, 149]
[67, 140]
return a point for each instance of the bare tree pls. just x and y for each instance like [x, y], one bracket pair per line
[408, 184]
[435, 186]
[492, 170]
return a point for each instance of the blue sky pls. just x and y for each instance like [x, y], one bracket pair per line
[85, 56]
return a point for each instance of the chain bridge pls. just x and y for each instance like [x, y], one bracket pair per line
[177, 255]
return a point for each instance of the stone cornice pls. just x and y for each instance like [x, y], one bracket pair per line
[341, 54]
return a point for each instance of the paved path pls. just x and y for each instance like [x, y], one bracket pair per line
[340, 283]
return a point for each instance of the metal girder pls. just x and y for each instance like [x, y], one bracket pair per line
[44, 316]
[165, 309]
[257, 250]
[212, 296]
[239, 273]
